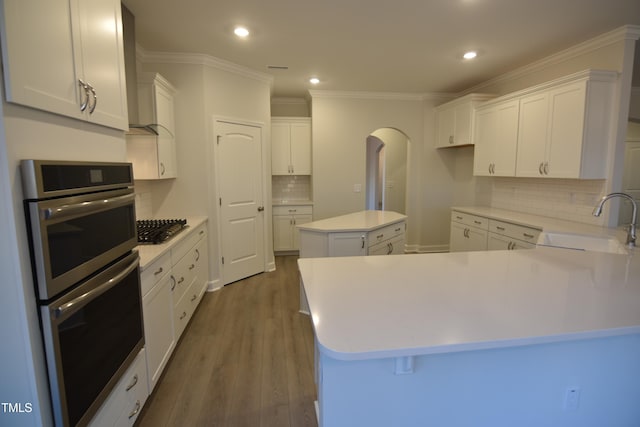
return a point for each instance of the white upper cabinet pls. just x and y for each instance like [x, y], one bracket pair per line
[496, 138]
[67, 58]
[454, 121]
[564, 130]
[291, 146]
[559, 129]
[154, 156]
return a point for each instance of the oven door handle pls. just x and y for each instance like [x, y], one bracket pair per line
[86, 207]
[96, 292]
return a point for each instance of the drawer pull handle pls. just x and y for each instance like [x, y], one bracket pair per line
[459, 217]
[192, 266]
[398, 229]
[133, 382]
[201, 232]
[379, 236]
[136, 410]
[181, 280]
[477, 222]
[184, 314]
[528, 236]
[158, 271]
[197, 255]
[500, 228]
[193, 298]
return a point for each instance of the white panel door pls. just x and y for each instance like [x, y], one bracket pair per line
[240, 182]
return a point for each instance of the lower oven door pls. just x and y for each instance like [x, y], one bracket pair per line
[92, 334]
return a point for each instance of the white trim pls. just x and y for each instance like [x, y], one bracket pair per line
[214, 285]
[623, 33]
[347, 94]
[425, 249]
[147, 56]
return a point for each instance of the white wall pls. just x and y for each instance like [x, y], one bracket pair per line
[31, 134]
[341, 124]
[206, 91]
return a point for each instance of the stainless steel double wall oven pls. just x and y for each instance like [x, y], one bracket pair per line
[82, 229]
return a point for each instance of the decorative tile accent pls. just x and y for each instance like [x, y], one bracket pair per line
[291, 187]
[568, 199]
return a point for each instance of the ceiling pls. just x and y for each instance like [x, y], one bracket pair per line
[411, 46]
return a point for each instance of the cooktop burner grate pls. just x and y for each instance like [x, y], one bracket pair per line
[154, 231]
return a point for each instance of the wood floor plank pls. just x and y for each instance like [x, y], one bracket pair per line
[245, 359]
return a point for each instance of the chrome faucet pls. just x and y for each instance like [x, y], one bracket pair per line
[631, 233]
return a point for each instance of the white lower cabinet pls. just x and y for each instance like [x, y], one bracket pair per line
[468, 232]
[157, 309]
[285, 219]
[125, 402]
[476, 233]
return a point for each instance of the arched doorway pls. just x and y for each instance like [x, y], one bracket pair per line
[386, 170]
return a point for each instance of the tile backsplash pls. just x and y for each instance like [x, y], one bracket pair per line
[144, 205]
[568, 199]
[291, 187]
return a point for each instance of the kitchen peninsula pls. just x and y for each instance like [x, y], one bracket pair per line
[545, 336]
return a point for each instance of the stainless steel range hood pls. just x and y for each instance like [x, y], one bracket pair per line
[129, 36]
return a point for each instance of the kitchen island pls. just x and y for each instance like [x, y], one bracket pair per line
[543, 337]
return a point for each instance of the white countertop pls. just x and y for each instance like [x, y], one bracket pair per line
[149, 253]
[404, 305]
[357, 221]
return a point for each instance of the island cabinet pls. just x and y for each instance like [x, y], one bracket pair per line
[454, 121]
[153, 152]
[285, 222]
[360, 233]
[291, 146]
[67, 58]
[506, 236]
[492, 338]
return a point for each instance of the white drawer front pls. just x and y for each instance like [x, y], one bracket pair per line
[385, 233]
[293, 210]
[154, 272]
[471, 220]
[514, 231]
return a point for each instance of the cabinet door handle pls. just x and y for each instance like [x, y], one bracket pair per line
[509, 246]
[162, 168]
[84, 101]
[362, 238]
[477, 222]
[459, 217]
[133, 383]
[398, 229]
[181, 280]
[546, 168]
[173, 282]
[389, 248]
[95, 99]
[294, 221]
[197, 255]
[260, 208]
[135, 410]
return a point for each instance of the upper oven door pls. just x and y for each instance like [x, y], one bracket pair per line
[73, 237]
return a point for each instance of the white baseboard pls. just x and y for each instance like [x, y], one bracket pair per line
[214, 285]
[425, 249]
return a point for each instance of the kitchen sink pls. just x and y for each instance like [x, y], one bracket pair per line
[585, 242]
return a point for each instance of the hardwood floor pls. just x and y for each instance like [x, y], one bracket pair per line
[245, 359]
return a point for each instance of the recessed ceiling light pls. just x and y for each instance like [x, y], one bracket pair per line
[470, 55]
[241, 32]
[314, 80]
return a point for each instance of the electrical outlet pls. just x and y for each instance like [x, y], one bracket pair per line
[572, 399]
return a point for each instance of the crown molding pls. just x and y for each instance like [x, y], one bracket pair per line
[345, 94]
[146, 56]
[626, 32]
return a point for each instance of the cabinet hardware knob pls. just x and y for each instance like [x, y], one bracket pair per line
[183, 315]
[477, 222]
[540, 168]
[162, 169]
[362, 238]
